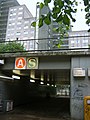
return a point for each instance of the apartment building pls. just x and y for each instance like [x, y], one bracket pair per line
[79, 39]
[58, 37]
[48, 37]
[4, 8]
[43, 34]
[19, 26]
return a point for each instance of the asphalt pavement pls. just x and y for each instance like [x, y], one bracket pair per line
[40, 109]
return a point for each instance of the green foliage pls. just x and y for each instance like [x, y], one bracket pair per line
[46, 2]
[47, 19]
[33, 24]
[87, 10]
[11, 47]
[62, 12]
[86, 2]
[41, 5]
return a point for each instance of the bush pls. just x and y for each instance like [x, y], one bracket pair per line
[11, 47]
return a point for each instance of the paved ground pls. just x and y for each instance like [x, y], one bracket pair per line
[40, 109]
[11, 116]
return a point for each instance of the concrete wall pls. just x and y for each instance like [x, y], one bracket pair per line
[15, 90]
[57, 62]
[47, 62]
[80, 87]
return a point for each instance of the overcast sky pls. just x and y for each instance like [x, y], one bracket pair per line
[80, 16]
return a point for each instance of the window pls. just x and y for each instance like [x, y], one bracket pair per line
[14, 14]
[11, 10]
[14, 9]
[10, 19]
[18, 33]
[85, 41]
[20, 13]
[10, 24]
[26, 22]
[49, 36]
[31, 44]
[19, 18]
[32, 27]
[8, 39]
[10, 29]
[13, 23]
[12, 34]
[13, 18]
[72, 45]
[85, 45]
[25, 32]
[77, 41]
[19, 23]
[21, 8]
[8, 35]
[26, 27]
[86, 34]
[11, 14]
[19, 28]
[32, 32]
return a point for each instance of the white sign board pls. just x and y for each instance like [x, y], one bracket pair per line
[2, 62]
[89, 72]
[78, 72]
[26, 63]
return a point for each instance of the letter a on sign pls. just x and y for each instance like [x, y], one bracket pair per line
[20, 63]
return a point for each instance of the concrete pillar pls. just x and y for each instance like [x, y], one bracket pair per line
[80, 87]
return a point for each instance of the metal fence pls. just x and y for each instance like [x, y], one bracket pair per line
[46, 44]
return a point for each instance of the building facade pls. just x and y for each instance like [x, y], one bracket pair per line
[19, 26]
[49, 38]
[42, 34]
[79, 39]
[58, 37]
[4, 8]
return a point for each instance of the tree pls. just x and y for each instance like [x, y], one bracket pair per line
[11, 47]
[61, 12]
[87, 10]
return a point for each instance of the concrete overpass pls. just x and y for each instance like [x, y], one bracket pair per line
[54, 70]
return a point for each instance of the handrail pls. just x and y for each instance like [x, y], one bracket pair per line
[49, 44]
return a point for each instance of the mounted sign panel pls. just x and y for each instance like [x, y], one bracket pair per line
[78, 72]
[32, 63]
[26, 63]
[1, 62]
[20, 63]
[88, 72]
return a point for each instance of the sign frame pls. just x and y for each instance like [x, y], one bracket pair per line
[26, 63]
[78, 72]
[32, 63]
[20, 63]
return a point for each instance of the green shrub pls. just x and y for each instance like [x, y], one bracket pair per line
[11, 47]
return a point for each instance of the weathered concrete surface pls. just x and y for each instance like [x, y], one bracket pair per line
[66, 52]
[80, 86]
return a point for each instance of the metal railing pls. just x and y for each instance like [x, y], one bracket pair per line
[49, 44]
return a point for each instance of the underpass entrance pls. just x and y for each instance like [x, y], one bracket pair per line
[46, 94]
[43, 84]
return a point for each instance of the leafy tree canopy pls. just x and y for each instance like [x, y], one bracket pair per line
[62, 12]
[11, 47]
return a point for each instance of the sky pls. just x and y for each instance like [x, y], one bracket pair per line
[80, 16]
